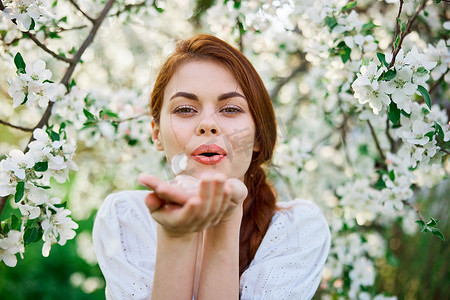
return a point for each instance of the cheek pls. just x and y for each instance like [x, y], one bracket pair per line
[242, 143]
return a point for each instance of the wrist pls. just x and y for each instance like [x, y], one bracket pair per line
[231, 220]
[169, 235]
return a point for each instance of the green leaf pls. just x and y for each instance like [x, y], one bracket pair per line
[20, 190]
[53, 35]
[89, 115]
[72, 84]
[402, 25]
[53, 135]
[432, 222]
[389, 75]
[331, 22]
[430, 135]
[345, 54]
[425, 95]
[438, 129]
[20, 63]
[349, 6]
[397, 42]
[41, 166]
[15, 222]
[437, 1]
[30, 235]
[237, 4]
[394, 113]
[366, 29]
[364, 62]
[382, 59]
[32, 25]
[392, 175]
[45, 187]
[108, 113]
[437, 233]
[422, 70]
[421, 223]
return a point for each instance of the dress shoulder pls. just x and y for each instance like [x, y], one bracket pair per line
[289, 261]
[124, 236]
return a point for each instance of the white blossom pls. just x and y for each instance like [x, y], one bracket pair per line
[363, 272]
[18, 162]
[9, 246]
[24, 11]
[58, 228]
[401, 88]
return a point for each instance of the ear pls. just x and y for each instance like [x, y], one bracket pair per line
[256, 146]
[156, 137]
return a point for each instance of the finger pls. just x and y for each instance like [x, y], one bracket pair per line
[153, 202]
[187, 216]
[218, 199]
[172, 193]
[238, 190]
[206, 194]
[149, 181]
[226, 202]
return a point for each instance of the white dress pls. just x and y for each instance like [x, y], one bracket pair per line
[288, 263]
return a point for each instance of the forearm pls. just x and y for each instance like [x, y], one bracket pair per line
[174, 267]
[219, 277]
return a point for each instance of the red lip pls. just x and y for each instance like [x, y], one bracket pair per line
[198, 156]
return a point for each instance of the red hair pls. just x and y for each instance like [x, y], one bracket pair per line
[260, 204]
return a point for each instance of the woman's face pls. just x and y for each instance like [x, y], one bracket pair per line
[206, 119]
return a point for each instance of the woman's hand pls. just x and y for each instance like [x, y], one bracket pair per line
[190, 205]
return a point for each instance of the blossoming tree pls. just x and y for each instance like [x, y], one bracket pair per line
[359, 87]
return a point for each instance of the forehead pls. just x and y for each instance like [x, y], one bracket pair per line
[203, 78]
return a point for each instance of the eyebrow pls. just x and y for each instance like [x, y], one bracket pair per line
[194, 97]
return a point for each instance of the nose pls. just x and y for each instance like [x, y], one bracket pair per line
[207, 126]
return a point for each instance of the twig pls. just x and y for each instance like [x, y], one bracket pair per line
[39, 44]
[130, 118]
[274, 92]
[61, 29]
[405, 33]
[81, 11]
[372, 131]
[16, 127]
[388, 134]
[130, 6]
[397, 25]
[407, 203]
[442, 149]
[437, 82]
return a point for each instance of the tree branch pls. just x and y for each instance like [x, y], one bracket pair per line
[377, 143]
[81, 11]
[388, 134]
[413, 207]
[130, 6]
[16, 127]
[437, 82]
[43, 47]
[283, 81]
[406, 32]
[397, 25]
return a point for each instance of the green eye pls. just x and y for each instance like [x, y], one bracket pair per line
[231, 109]
[184, 110]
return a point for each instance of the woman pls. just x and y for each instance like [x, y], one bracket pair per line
[216, 231]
